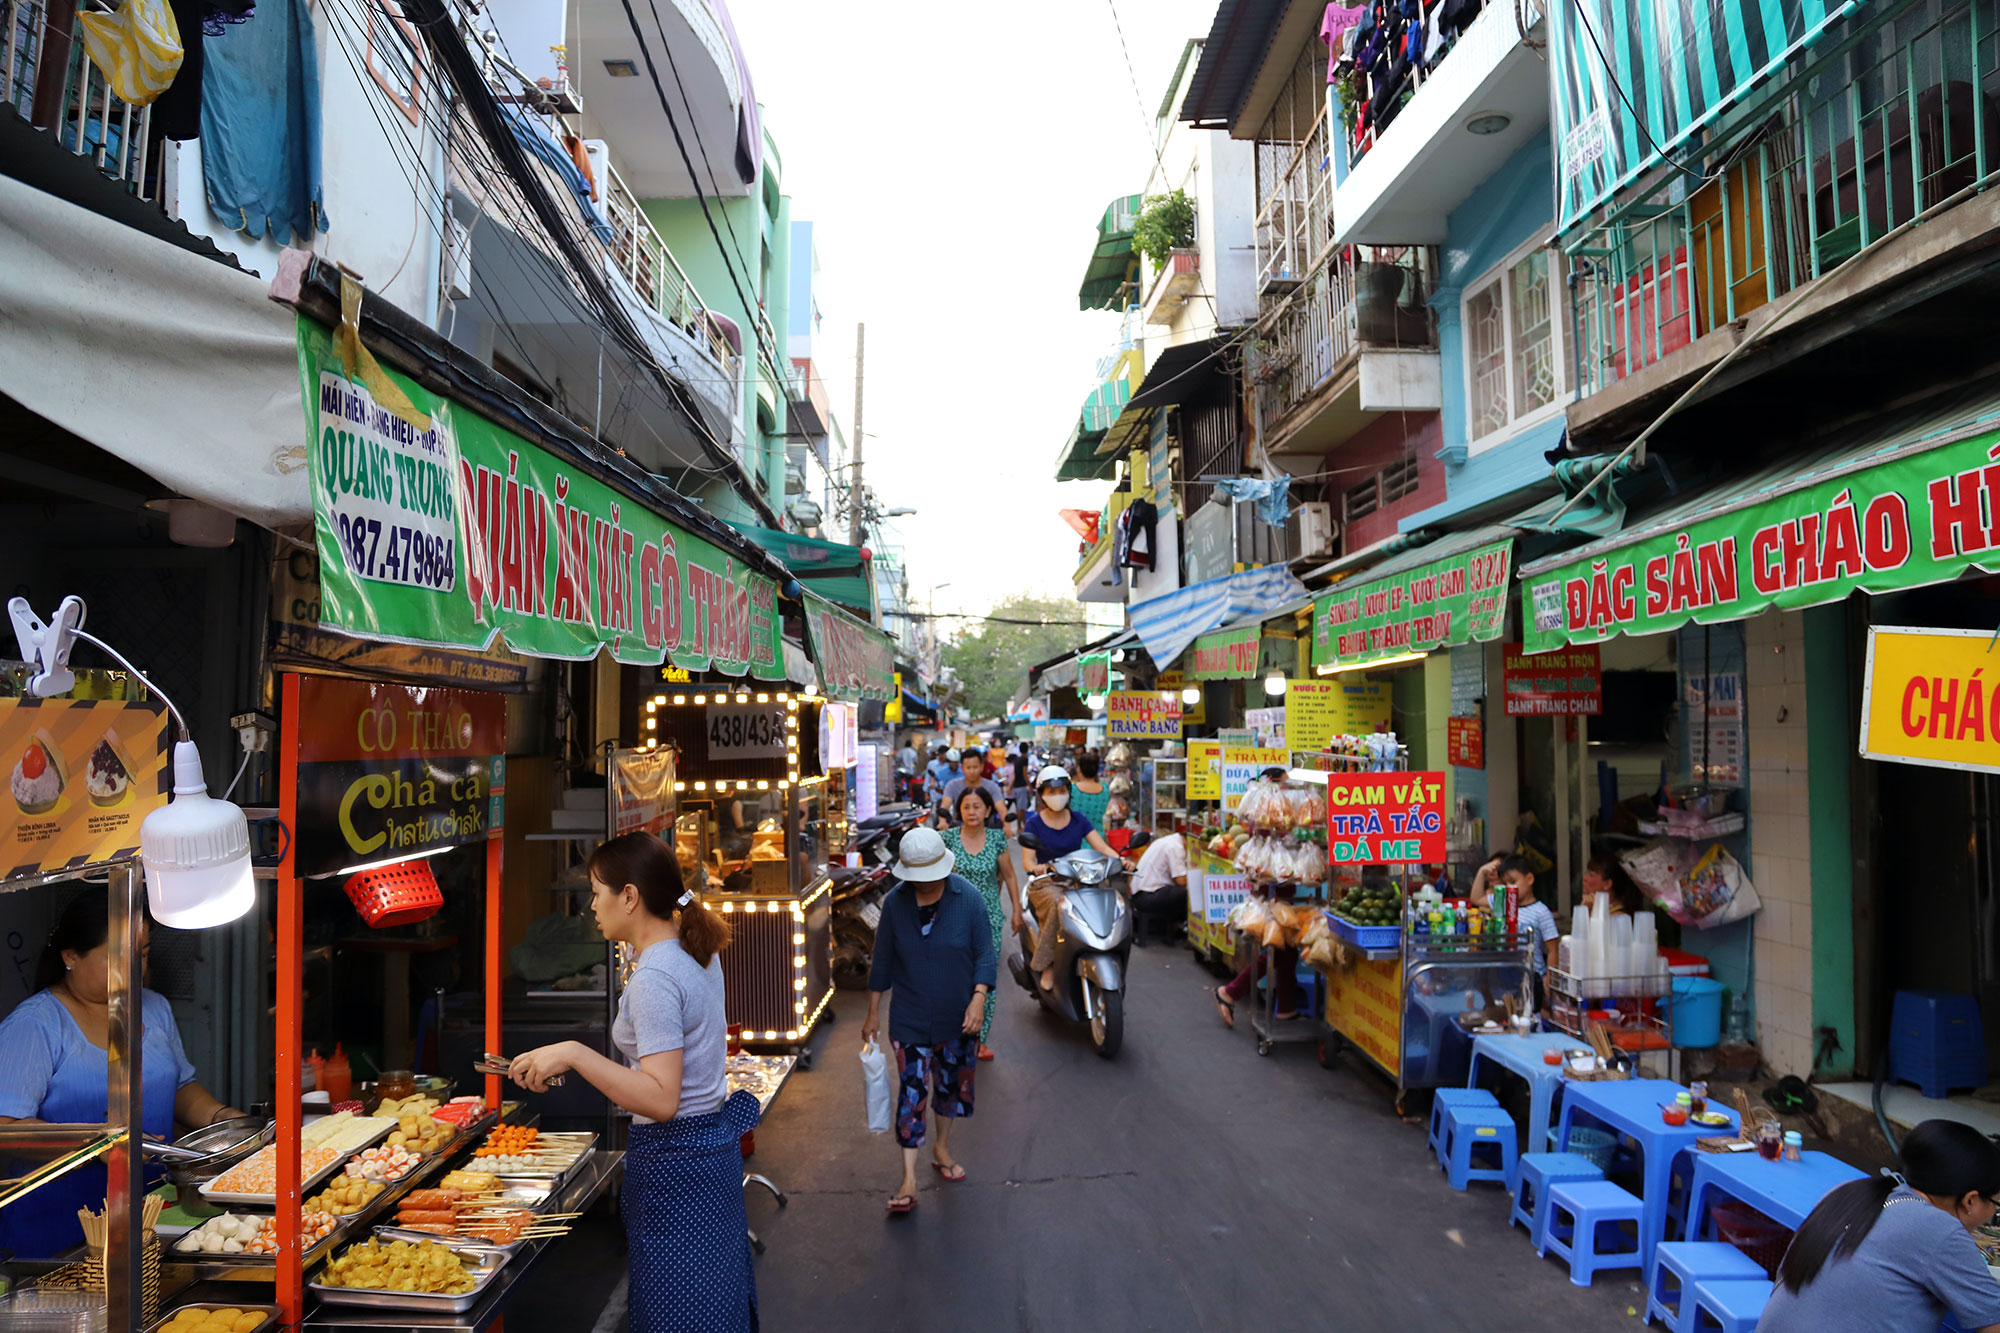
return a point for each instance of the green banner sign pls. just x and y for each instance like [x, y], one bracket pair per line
[1924, 517]
[466, 533]
[856, 661]
[1454, 599]
[1227, 654]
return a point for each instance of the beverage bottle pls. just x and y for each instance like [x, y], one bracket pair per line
[337, 1077]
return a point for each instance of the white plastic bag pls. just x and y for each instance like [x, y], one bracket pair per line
[880, 1087]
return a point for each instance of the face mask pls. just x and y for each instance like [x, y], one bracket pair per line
[1057, 800]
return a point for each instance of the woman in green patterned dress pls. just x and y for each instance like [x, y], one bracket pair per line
[1088, 796]
[982, 858]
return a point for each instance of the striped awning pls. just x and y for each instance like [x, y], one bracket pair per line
[1682, 63]
[1169, 623]
[1113, 264]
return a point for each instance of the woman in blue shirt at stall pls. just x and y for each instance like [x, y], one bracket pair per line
[54, 1068]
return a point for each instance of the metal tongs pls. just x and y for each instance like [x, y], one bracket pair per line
[500, 1064]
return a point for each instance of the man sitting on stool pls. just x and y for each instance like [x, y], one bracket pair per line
[1159, 885]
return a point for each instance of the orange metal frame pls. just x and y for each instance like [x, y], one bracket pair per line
[289, 1046]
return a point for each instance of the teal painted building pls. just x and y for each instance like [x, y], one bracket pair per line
[753, 289]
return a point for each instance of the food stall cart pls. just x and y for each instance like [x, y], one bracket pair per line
[761, 811]
[58, 827]
[1415, 976]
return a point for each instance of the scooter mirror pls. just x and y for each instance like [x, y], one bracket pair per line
[1028, 840]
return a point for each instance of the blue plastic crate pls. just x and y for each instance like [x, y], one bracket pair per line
[1367, 937]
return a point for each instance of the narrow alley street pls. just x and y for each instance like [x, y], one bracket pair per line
[1186, 1185]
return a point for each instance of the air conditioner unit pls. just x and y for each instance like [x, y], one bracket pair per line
[1317, 531]
[457, 259]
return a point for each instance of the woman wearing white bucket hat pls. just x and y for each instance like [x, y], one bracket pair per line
[934, 949]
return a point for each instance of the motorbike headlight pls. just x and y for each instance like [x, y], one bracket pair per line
[1092, 872]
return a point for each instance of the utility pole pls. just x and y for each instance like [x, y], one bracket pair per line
[857, 497]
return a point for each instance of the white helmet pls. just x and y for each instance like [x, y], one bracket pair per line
[951, 755]
[1053, 773]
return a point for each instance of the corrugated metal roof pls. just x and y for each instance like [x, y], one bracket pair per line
[1237, 42]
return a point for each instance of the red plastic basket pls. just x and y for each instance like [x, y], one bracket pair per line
[396, 895]
[1764, 1240]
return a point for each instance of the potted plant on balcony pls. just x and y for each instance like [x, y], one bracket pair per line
[1166, 224]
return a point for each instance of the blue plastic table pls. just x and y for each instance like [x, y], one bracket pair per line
[1783, 1191]
[1632, 1107]
[1522, 1054]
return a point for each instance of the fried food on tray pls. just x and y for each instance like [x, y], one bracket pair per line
[400, 1266]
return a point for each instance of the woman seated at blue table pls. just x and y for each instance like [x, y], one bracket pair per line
[1885, 1255]
[54, 1069]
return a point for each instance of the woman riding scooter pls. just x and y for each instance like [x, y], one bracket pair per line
[1059, 831]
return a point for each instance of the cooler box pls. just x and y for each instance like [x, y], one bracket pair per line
[1937, 1041]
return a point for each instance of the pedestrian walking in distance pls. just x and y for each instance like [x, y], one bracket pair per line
[934, 952]
[686, 1236]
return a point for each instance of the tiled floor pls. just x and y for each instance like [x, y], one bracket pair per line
[1907, 1107]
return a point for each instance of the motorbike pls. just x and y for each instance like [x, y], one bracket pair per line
[858, 891]
[1093, 944]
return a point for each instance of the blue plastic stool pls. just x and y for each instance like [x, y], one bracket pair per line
[1590, 1205]
[1445, 1099]
[1469, 1129]
[1688, 1262]
[1532, 1178]
[1724, 1305]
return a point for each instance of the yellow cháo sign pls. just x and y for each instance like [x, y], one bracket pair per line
[1932, 697]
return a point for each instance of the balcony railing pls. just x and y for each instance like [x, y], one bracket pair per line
[1295, 222]
[51, 83]
[642, 257]
[1364, 296]
[1851, 143]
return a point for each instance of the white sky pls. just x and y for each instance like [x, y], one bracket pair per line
[955, 160]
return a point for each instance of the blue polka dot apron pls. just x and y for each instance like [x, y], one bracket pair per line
[684, 1223]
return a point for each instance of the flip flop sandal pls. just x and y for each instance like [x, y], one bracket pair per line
[946, 1171]
[902, 1204]
[986, 1052]
[1227, 1006]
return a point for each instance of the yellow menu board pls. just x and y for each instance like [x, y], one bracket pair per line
[1318, 710]
[1204, 775]
[82, 775]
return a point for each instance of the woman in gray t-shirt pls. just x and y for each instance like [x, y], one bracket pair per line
[1881, 1256]
[688, 1245]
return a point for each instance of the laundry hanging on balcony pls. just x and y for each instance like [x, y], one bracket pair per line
[1269, 493]
[260, 144]
[534, 136]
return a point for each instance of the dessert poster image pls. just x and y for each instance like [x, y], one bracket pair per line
[81, 775]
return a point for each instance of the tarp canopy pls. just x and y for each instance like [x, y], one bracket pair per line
[1169, 623]
[834, 570]
[175, 363]
[1447, 592]
[1881, 508]
[1112, 262]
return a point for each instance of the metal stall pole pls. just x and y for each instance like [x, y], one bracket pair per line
[288, 1042]
[124, 1250]
[493, 908]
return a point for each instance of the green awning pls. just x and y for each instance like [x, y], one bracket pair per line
[1113, 264]
[1447, 592]
[1882, 506]
[1078, 460]
[834, 570]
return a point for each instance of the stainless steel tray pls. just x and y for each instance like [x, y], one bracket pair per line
[271, 1314]
[484, 1261]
